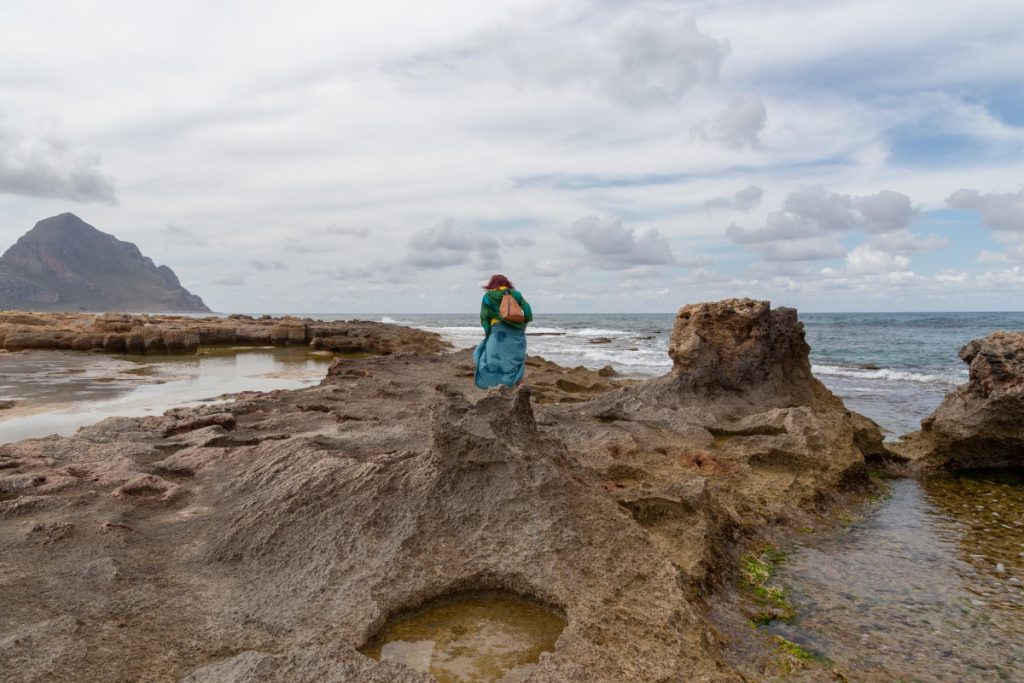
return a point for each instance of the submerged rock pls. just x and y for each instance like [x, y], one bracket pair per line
[272, 537]
[980, 423]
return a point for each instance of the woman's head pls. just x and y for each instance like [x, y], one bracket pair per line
[497, 281]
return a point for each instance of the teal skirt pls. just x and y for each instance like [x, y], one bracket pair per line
[501, 357]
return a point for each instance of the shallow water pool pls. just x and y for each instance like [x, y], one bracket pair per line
[56, 392]
[928, 587]
[471, 638]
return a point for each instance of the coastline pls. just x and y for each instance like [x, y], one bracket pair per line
[372, 487]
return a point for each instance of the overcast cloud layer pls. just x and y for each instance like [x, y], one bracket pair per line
[389, 156]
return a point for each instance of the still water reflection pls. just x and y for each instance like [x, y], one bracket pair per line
[57, 392]
[471, 638]
[927, 588]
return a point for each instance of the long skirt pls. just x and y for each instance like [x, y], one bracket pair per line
[501, 357]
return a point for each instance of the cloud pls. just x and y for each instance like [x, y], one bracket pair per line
[230, 279]
[744, 200]
[1013, 253]
[812, 249]
[741, 123]
[1008, 278]
[1001, 212]
[48, 166]
[906, 241]
[518, 241]
[612, 246]
[361, 273]
[345, 230]
[866, 259]
[180, 235]
[815, 212]
[264, 266]
[442, 245]
[637, 61]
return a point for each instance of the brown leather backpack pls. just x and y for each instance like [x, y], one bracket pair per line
[510, 310]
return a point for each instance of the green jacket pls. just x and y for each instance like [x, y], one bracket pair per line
[491, 303]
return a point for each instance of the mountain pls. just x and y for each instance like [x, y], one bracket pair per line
[65, 264]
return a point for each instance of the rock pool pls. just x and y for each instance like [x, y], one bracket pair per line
[928, 586]
[481, 637]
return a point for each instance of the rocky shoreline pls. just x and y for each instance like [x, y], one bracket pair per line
[270, 538]
[168, 334]
[980, 423]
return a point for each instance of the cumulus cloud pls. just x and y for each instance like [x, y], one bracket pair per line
[1008, 278]
[741, 123]
[866, 259]
[443, 245]
[812, 249]
[49, 166]
[744, 200]
[271, 264]
[1000, 212]
[906, 241]
[1013, 253]
[611, 245]
[640, 61]
[815, 212]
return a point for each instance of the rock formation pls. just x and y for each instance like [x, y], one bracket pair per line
[980, 423]
[126, 333]
[65, 264]
[269, 538]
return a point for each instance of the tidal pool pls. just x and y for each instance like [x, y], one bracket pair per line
[479, 637]
[928, 587]
[56, 392]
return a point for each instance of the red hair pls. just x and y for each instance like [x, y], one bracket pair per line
[497, 281]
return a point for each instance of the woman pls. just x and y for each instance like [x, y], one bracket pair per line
[501, 356]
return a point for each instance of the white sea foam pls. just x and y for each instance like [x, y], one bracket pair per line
[596, 332]
[883, 374]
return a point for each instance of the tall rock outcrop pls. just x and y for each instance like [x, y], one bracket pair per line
[65, 264]
[731, 359]
[980, 423]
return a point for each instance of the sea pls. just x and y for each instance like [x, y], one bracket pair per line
[893, 367]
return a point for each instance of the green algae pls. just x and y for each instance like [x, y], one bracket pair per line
[770, 601]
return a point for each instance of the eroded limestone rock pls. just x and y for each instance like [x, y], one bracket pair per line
[160, 334]
[980, 423]
[303, 519]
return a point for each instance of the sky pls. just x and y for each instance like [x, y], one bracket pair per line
[607, 156]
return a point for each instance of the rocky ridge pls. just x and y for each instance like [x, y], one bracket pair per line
[267, 539]
[65, 264]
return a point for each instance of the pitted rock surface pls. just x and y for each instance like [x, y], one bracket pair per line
[299, 521]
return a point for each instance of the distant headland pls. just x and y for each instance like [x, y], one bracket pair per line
[65, 264]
